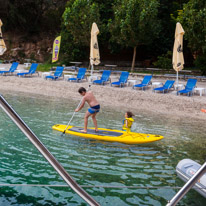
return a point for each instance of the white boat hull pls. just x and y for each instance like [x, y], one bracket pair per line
[186, 168]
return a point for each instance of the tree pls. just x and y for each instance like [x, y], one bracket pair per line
[78, 18]
[77, 21]
[193, 19]
[164, 42]
[135, 23]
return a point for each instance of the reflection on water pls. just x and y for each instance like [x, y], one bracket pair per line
[93, 162]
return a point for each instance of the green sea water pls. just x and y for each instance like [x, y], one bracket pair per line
[92, 162]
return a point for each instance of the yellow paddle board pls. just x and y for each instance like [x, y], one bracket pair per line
[110, 135]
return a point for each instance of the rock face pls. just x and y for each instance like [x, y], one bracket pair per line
[21, 47]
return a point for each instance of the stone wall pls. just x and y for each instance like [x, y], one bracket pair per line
[21, 47]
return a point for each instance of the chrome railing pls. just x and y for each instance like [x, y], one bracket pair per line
[45, 152]
[187, 186]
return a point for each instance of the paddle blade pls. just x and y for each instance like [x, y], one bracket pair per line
[63, 133]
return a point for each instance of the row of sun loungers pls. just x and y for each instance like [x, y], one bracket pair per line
[14, 66]
[189, 88]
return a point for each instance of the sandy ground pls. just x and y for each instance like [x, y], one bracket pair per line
[169, 105]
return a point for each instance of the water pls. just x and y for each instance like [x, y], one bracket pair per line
[92, 162]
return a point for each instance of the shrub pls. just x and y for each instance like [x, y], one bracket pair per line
[200, 63]
[164, 61]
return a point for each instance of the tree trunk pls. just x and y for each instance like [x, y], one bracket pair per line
[133, 60]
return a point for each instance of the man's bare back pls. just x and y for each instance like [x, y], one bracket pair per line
[90, 99]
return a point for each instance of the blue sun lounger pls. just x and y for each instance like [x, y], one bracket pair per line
[12, 68]
[189, 88]
[104, 78]
[145, 82]
[57, 73]
[80, 75]
[122, 80]
[31, 71]
[166, 87]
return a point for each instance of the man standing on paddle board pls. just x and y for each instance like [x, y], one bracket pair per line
[92, 111]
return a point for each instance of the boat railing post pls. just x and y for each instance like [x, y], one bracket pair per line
[187, 186]
[45, 152]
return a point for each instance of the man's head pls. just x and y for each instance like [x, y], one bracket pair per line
[82, 91]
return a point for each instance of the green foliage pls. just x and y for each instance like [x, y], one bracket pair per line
[69, 50]
[193, 19]
[76, 29]
[135, 22]
[200, 63]
[78, 18]
[21, 54]
[32, 56]
[45, 67]
[165, 39]
[164, 61]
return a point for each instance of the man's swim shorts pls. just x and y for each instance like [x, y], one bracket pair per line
[94, 109]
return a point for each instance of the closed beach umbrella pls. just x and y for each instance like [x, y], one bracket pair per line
[2, 44]
[178, 58]
[94, 48]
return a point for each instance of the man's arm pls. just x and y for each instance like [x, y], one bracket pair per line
[81, 106]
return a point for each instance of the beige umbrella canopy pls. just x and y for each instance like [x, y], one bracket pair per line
[94, 48]
[2, 44]
[178, 58]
